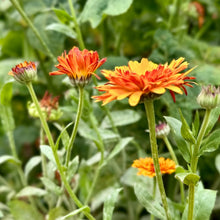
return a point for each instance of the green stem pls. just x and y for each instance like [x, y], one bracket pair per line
[169, 147]
[55, 154]
[154, 194]
[43, 158]
[76, 124]
[77, 28]
[173, 156]
[195, 157]
[191, 201]
[148, 103]
[15, 155]
[23, 14]
[194, 161]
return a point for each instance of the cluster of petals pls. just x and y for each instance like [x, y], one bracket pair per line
[146, 166]
[78, 65]
[24, 72]
[142, 79]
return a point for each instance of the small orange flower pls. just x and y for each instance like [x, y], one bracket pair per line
[144, 80]
[24, 72]
[146, 166]
[78, 65]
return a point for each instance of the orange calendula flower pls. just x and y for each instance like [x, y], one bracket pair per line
[24, 72]
[78, 65]
[146, 166]
[144, 80]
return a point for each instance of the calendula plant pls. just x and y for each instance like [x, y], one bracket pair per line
[71, 145]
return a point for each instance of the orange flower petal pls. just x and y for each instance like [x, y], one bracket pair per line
[135, 98]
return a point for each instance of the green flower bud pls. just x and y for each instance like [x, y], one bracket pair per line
[209, 97]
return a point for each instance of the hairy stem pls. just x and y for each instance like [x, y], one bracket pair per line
[76, 124]
[148, 103]
[194, 161]
[55, 154]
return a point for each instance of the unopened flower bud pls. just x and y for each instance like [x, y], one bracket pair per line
[162, 130]
[49, 107]
[209, 97]
[24, 72]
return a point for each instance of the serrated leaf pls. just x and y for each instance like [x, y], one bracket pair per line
[62, 28]
[8, 158]
[33, 162]
[24, 211]
[186, 132]
[50, 185]
[151, 205]
[188, 178]
[121, 118]
[94, 10]
[120, 146]
[204, 202]
[181, 143]
[109, 204]
[31, 191]
[211, 143]
[47, 151]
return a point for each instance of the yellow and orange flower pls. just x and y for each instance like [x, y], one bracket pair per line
[78, 65]
[146, 166]
[144, 80]
[24, 72]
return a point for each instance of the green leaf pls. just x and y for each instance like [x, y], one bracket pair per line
[47, 151]
[109, 204]
[181, 143]
[7, 118]
[75, 212]
[151, 205]
[94, 10]
[211, 143]
[121, 118]
[119, 147]
[31, 191]
[62, 28]
[72, 168]
[62, 15]
[50, 185]
[203, 204]
[186, 132]
[187, 178]
[217, 162]
[213, 118]
[63, 135]
[8, 158]
[41, 21]
[33, 162]
[56, 212]
[6, 93]
[196, 124]
[23, 211]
